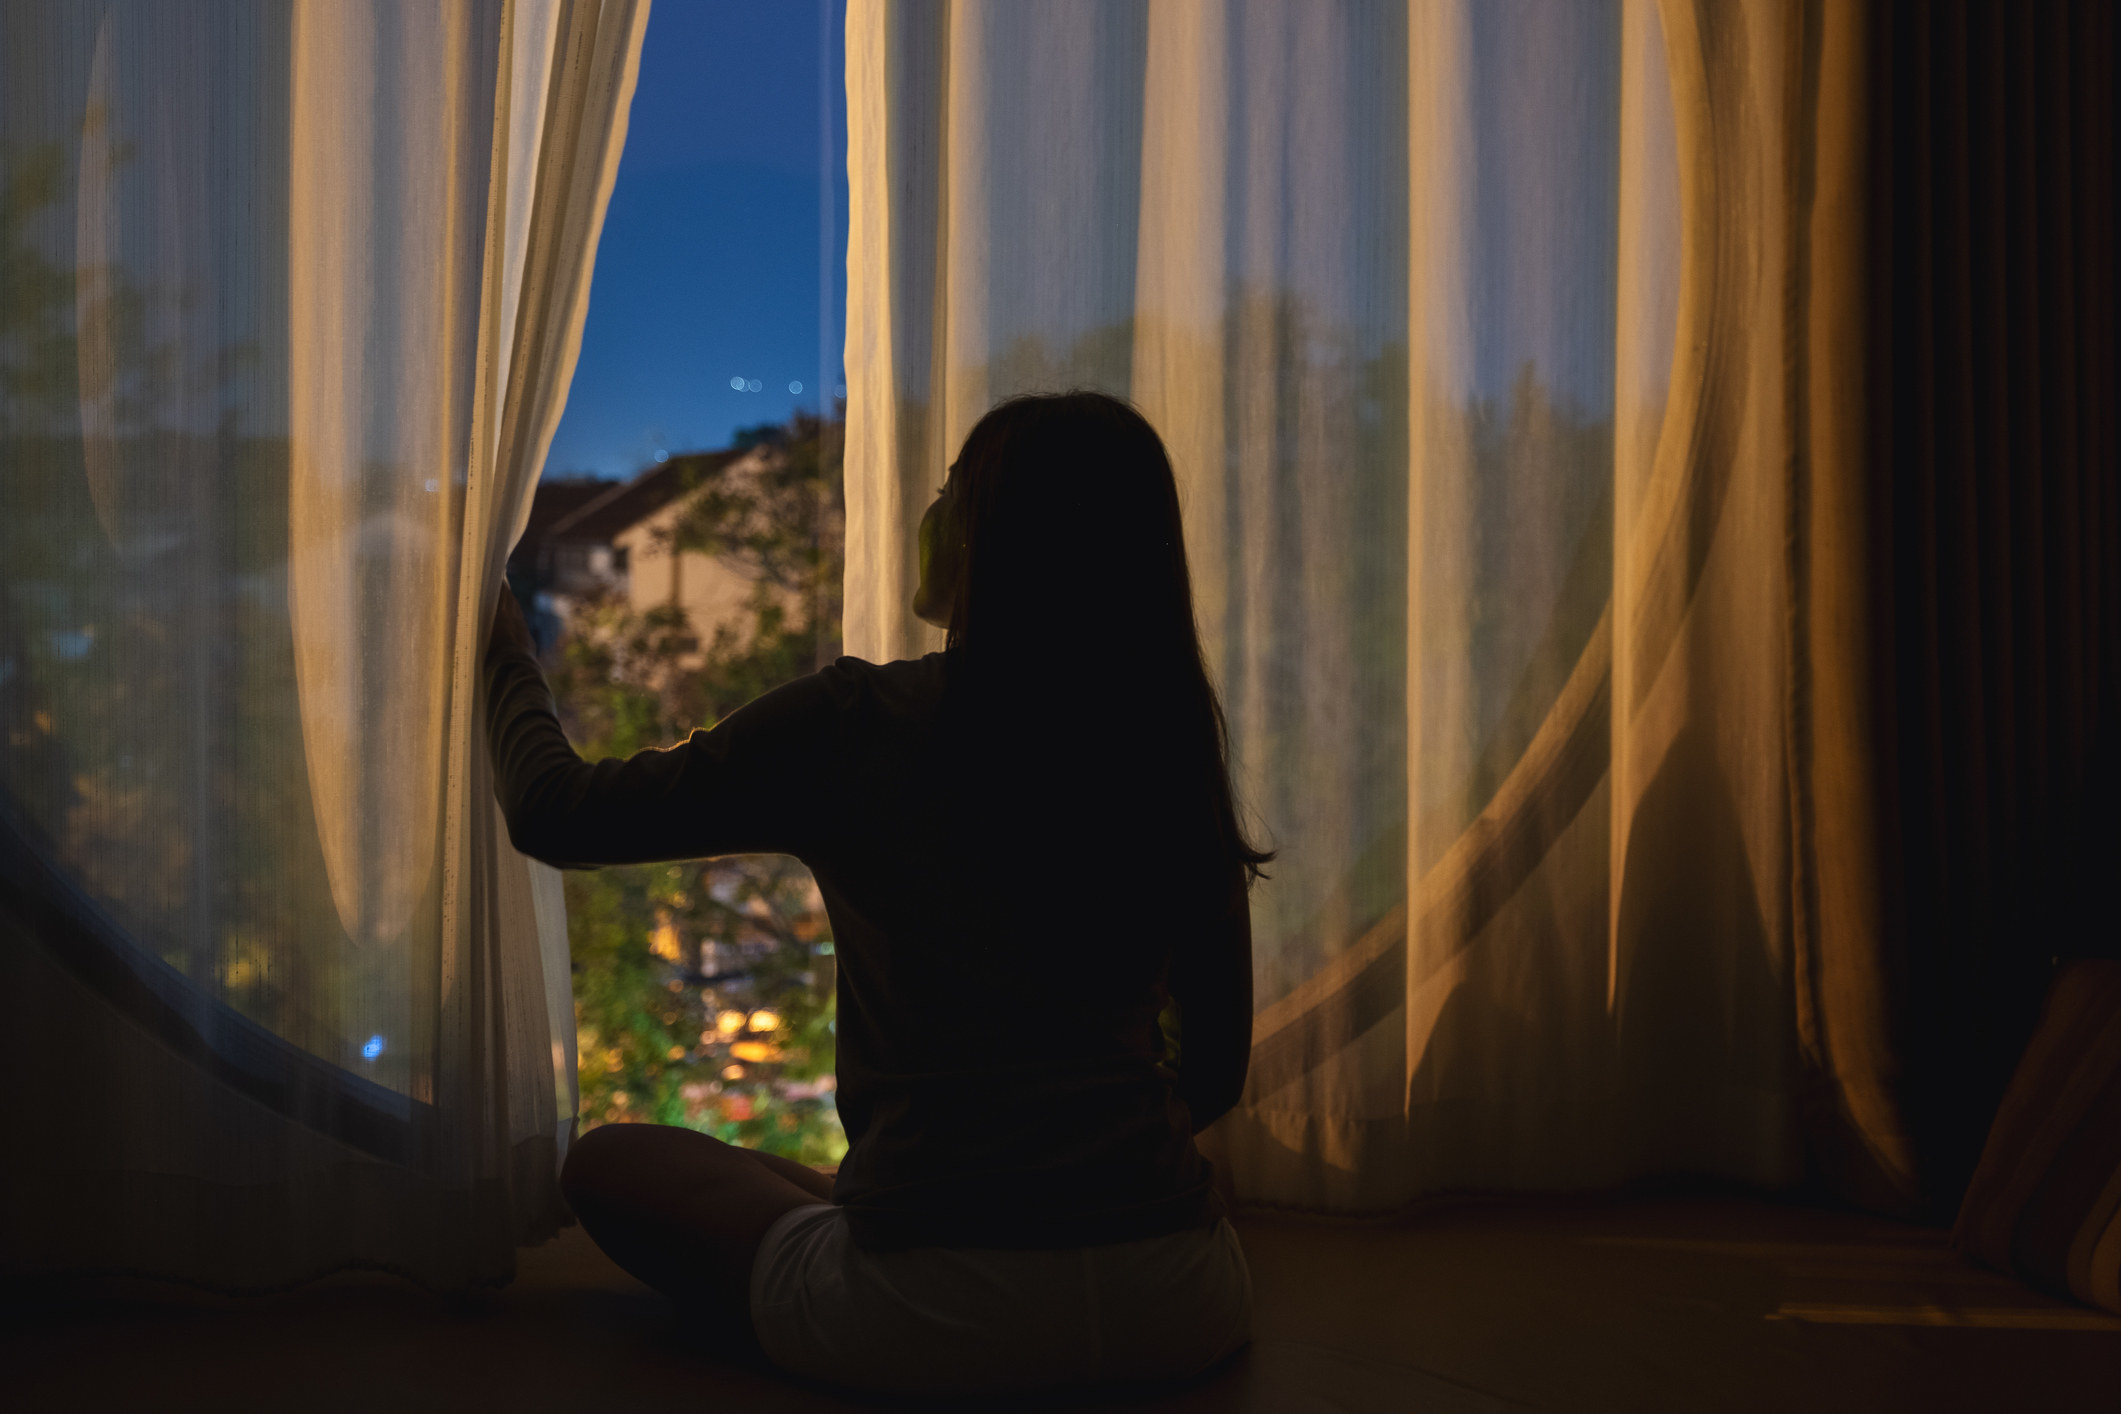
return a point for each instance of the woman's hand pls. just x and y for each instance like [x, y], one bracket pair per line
[510, 633]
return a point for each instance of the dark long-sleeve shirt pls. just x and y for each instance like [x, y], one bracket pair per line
[1000, 1074]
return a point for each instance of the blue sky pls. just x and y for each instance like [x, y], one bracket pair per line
[710, 261]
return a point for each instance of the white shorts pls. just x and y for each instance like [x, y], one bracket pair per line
[942, 1320]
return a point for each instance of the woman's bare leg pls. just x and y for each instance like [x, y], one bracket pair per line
[683, 1211]
[818, 1185]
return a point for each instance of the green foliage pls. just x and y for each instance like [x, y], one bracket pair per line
[781, 519]
[703, 989]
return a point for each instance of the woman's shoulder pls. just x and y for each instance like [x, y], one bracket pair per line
[848, 701]
[905, 689]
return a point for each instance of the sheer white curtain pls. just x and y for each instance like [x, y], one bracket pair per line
[1495, 346]
[294, 296]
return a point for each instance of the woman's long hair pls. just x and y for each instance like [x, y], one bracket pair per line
[1073, 624]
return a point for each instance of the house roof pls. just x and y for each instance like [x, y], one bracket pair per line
[610, 508]
[559, 497]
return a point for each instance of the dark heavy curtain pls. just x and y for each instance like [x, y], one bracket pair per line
[1996, 533]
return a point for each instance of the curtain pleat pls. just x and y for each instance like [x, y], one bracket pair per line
[295, 292]
[1511, 360]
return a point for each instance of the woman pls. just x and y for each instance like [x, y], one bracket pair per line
[1028, 851]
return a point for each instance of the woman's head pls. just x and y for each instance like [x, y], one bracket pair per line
[1058, 539]
[1060, 518]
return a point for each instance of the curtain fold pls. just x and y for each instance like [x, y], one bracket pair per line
[296, 293]
[1510, 357]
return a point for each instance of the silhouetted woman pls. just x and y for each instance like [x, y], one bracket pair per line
[1027, 848]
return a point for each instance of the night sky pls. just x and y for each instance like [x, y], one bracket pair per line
[710, 261]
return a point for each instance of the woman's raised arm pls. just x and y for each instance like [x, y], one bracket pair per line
[760, 781]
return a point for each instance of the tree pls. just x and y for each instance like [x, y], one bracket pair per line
[703, 990]
[782, 519]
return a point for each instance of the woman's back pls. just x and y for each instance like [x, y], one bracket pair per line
[1003, 930]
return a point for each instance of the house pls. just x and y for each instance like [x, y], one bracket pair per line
[591, 538]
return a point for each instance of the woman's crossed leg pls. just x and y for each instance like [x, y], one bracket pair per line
[684, 1212]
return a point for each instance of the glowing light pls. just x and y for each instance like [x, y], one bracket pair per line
[753, 386]
[677, 1053]
[795, 387]
[729, 1022]
[737, 383]
[758, 1052]
[763, 1020]
[373, 1049]
[732, 1072]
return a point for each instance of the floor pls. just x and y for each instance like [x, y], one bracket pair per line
[1683, 1304]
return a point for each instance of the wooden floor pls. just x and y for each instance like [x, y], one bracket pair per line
[1681, 1304]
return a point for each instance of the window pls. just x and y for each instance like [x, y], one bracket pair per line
[704, 990]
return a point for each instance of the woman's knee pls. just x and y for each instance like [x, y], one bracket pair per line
[594, 1161]
[647, 1166]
